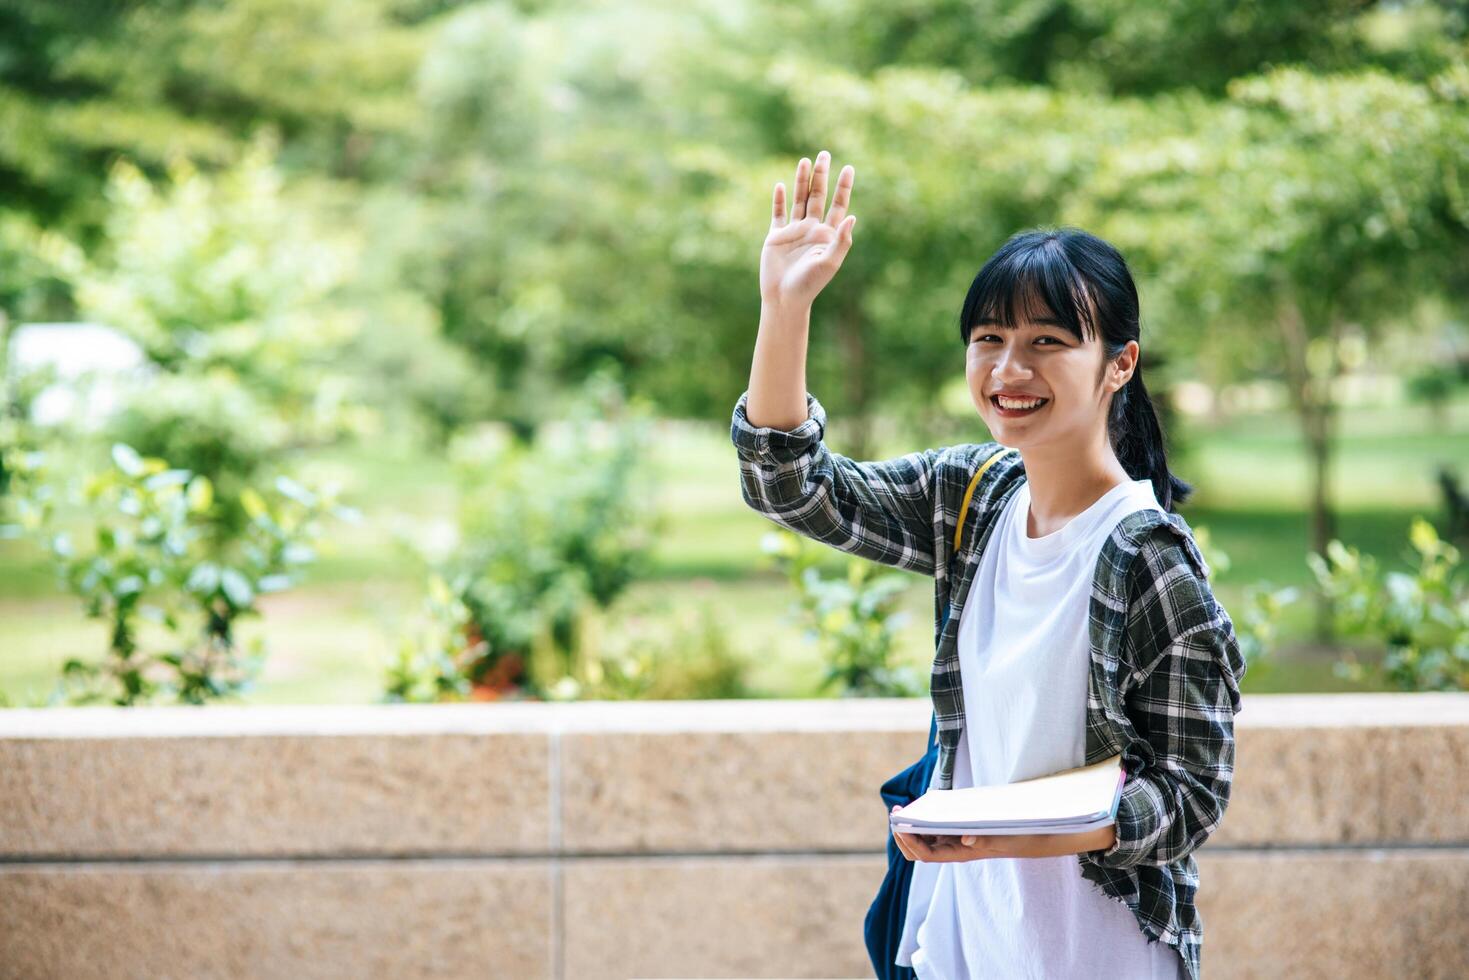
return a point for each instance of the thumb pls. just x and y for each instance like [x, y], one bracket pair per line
[969, 839]
[844, 239]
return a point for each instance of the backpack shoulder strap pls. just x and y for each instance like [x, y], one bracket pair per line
[969, 495]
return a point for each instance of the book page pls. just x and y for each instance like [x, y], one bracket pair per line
[1075, 794]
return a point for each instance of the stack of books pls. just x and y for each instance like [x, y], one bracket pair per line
[1067, 802]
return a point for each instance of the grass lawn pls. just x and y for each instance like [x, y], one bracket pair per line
[329, 639]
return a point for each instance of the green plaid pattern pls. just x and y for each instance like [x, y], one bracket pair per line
[1163, 688]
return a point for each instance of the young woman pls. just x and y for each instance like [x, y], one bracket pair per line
[1074, 619]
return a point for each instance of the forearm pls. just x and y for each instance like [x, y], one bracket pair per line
[964, 847]
[1052, 845]
[778, 370]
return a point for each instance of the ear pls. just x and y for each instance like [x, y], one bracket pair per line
[1123, 366]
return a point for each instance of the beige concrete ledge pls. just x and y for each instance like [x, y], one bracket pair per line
[638, 839]
[1341, 914]
[638, 777]
[276, 919]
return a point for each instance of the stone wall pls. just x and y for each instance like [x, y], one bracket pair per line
[649, 839]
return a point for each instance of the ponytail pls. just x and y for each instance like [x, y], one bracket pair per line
[1137, 439]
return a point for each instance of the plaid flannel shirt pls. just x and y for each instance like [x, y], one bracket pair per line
[1163, 684]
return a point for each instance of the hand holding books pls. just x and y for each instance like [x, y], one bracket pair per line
[934, 848]
[1062, 813]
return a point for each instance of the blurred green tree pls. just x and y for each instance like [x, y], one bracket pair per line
[85, 81]
[234, 298]
[1303, 211]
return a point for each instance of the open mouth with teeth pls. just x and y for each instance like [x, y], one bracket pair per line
[1013, 407]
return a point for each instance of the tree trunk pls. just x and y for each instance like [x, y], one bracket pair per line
[1312, 399]
[856, 387]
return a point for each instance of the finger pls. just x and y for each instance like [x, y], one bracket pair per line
[778, 206]
[817, 201]
[839, 248]
[897, 837]
[842, 198]
[802, 189]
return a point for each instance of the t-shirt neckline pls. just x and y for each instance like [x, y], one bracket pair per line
[1058, 540]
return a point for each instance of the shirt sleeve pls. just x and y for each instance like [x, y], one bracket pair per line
[882, 510]
[1180, 704]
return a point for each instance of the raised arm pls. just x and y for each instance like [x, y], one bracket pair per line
[880, 510]
[1180, 696]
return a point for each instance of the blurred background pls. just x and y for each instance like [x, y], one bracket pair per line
[385, 350]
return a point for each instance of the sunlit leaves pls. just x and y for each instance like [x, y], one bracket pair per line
[161, 556]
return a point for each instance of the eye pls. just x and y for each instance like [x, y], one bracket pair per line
[1053, 341]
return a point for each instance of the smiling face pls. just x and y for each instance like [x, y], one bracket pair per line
[1039, 358]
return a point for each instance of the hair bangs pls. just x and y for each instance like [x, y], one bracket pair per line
[1029, 280]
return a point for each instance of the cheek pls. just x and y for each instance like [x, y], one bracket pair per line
[975, 375]
[974, 367]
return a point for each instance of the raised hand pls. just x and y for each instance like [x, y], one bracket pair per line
[804, 248]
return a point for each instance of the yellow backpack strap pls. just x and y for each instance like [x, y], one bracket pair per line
[969, 495]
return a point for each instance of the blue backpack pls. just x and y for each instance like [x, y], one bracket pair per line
[883, 926]
[884, 923]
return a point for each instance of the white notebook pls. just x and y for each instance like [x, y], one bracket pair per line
[1071, 801]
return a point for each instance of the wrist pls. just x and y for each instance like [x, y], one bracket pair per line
[1102, 840]
[784, 309]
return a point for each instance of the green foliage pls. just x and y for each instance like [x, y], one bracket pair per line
[689, 657]
[853, 619]
[158, 555]
[235, 301]
[541, 169]
[522, 157]
[29, 286]
[1257, 625]
[1421, 618]
[549, 532]
[221, 277]
[1257, 620]
[82, 82]
[1436, 384]
[26, 499]
[25, 496]
[436, 660]
[626, 657]
[1286, 181]
[219, 271]
[1119, 46]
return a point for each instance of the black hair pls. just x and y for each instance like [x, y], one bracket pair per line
[1066, 274]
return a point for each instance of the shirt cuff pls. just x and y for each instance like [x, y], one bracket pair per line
[1137, 823]
[782, 445]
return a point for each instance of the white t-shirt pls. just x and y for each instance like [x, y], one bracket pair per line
[1024, 654]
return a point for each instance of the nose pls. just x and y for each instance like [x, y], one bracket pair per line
[1010, 366]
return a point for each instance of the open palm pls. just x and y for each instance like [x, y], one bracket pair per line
[804, 249]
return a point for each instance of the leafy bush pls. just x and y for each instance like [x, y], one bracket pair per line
[237, 299]
[158, 555]
[641, 657]
[1257, 623]
[20, 459]
[853, 619]
[436, 661]
[549, 531]
[1422, 618]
